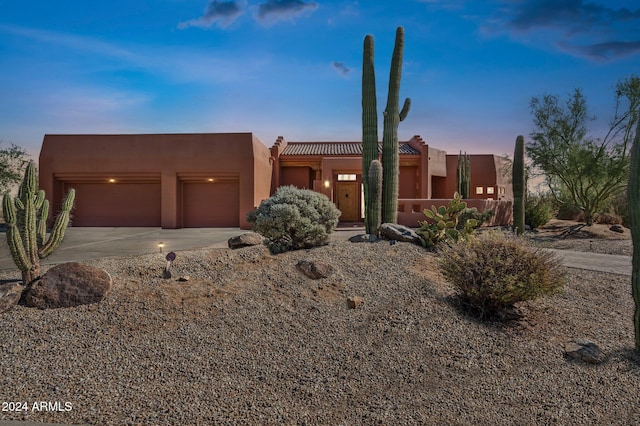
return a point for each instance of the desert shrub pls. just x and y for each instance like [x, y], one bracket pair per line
[472, 213]
[569, 212]
[494, 271]
[538, 210]
[608, 219]
[293, 219]
[620, 207]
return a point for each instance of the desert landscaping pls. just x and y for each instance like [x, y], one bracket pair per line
[251, 339]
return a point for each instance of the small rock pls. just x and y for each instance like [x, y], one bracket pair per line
[364, 238]
[245, 240]
[354, 302]
[166, 274]
[616, 228]
[184, 278]
[584, 350]
[9, 295]
[393, 231]
[314, 269]
[67, 285]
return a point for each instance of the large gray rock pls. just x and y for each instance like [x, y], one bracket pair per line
[393, 231]
[245, 240]
[315, 269]
[584, 350]
[67, 285]
[9, 295]
[363, 238]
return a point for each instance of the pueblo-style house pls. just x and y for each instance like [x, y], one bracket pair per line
[215, 179]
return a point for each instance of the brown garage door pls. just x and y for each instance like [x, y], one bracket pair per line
[116, 204]
[210, 204]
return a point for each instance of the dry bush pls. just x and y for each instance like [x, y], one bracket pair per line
[608, 219]
[494, 271]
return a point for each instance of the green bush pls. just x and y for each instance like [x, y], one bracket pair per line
[472, 213]
[293, 219]
[538, 210]
[494, 271]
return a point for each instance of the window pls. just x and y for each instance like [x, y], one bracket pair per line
[346, 178]
[490, 189]
[479, 190]
[501, 190]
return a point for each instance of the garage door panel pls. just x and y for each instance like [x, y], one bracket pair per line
[210, 204]
[123, 204]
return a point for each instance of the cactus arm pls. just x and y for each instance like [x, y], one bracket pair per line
[369, 121]
[633, 198]
[14, 241]
[518, 185]
[59, 227]
[390, 153]
[405, 109]
[42, 222]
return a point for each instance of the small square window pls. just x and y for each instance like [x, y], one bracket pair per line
[490, 189]
[501, 190]
[479, 190]
[346, 177]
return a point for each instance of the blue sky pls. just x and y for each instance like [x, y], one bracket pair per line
[293, 67]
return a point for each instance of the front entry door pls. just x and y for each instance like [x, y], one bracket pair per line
[347, 201]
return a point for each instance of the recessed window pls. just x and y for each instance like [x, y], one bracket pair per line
[490, 189]
[501, 190]
[346, 178]
[479, 190]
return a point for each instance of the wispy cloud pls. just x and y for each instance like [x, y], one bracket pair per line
[222, 13]
[341, 68]
[276, 10]
[582, 28]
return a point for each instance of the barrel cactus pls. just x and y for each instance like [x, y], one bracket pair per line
[26, 225]
[519, 186]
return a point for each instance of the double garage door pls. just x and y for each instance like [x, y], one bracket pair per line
[201, 204]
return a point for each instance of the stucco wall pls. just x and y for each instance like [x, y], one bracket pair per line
[175, 158]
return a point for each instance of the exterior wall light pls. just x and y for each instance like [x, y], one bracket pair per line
[210, 180]
[327, 184]
[112, 180]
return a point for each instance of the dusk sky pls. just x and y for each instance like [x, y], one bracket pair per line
[293, 67]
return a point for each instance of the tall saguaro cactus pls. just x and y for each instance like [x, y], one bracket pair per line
[26, 222]
[369, 127]
[372, 220]
[633, 198]
[519, 186]
[464, 175]
[392, 117]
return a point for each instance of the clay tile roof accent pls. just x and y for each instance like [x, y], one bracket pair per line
[337, 148]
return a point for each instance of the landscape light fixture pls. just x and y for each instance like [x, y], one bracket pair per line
[112, 180]
[160, 246]
[210, 179]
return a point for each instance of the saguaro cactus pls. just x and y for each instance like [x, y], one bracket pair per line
[633, 198]
[392, 117]
[464, 175]
[374, 213]
[26, 221]
[369, 124]
[518, 185]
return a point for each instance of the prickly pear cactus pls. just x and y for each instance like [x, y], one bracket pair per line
[443, 224]
[26, 219]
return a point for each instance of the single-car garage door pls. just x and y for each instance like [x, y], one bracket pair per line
[116, 204]
[211, 204]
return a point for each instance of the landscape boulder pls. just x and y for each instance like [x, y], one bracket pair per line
[67, 285]
[617, 228]
[584, 350]
[245, 240]
[393, 231]
[364, 238]
[9, 295]
[315, 269]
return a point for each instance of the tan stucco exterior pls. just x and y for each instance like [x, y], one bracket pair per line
[215, 179]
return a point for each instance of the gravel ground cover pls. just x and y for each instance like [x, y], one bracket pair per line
[249, 339]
